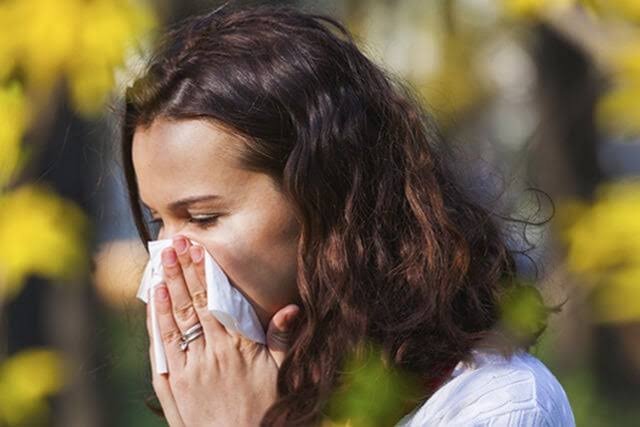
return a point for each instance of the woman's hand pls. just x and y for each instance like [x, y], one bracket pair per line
[222, 379]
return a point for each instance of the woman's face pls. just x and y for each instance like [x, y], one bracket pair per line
[253, 232]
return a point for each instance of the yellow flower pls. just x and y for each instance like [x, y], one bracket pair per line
[618, 300]
[535, 8]
[41, 234]
[82, 39]
[625, 9]
[26, 379]
[603, 244]
[13, 120]
[8, 45]
[619, 109]
[44, 31]
[102, 47]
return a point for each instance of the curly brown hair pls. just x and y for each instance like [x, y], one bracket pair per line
[392, 250]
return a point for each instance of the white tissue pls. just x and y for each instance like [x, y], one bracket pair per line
[224, 301]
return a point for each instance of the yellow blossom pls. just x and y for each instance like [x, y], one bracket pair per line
[44, 33]
[625, 9]
[101, 48]
[535, 8]
[13, 120]
[619, 109]
[26, 379]
[8, 45]
[41, 234]
[83, 40]
[603, 247]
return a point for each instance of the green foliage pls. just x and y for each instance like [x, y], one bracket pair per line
[372, 394]
[523, 312]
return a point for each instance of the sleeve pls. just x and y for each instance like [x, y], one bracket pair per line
[512, 398]
[533, 417]
[519, 393]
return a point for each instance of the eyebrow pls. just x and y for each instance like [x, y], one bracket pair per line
[178, 204]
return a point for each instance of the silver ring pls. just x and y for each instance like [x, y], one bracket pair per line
[192, 329]
[184, 342]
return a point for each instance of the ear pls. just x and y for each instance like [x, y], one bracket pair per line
[279, 332]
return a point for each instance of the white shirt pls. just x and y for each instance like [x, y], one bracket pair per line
[494, 391]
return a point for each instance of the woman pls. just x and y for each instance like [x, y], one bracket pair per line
[323, 192]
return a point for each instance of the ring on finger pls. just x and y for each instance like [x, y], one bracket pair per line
[187, 338]
[192, 329]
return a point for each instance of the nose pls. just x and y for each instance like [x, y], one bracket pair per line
[163, 235]
[171, 232]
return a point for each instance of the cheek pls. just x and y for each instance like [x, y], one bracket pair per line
[259, 261]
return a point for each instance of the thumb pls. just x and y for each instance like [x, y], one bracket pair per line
[279, 332]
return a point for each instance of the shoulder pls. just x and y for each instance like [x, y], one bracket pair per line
[494, 390]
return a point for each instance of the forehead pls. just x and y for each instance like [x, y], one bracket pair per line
[176, 159]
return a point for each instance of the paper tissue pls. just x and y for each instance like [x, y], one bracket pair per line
[224, 301]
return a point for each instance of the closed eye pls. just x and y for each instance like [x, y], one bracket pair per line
[203, 221]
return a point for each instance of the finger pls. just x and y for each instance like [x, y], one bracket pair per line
[193, 272]
[213, 329]
[162, 388]
[169, 331]
[192, 278]
[197, 259]
[183, 310]
[279, 332]
[160, 383]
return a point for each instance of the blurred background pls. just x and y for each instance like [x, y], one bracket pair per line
[541, 94]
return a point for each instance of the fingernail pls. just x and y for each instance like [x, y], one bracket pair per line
[197, 253]
[291, 316]
[169, 257]
[180, 243]
[161, 293]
